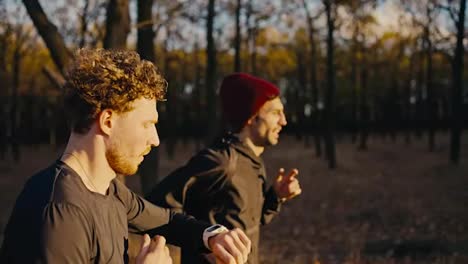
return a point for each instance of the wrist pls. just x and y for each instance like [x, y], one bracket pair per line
[211, 232]
[278, 197]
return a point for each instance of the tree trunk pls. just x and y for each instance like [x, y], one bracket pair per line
[430, 104]
[117, 24]
[117, 29]
[420, 115]
[313, 82]
[197, 97]
[149, 168]
[14, 114]
[253, 44]
[299, 97]
[4, 118]
[251, 37]
[49, 33]
[457, 71]
[406, 101]
[210, 75]
[354, 88]
[330, 94]
[84, 24]
[237, 40]
[171, 107]
[364, 105]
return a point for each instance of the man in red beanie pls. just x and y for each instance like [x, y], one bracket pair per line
[226, 183]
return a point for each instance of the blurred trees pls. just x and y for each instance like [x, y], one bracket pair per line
[148, 170]
[49, 33]
[458, 111]
[210, 73]
[330, 100]
[117, 24]
[340, 66]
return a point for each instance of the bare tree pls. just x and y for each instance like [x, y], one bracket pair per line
[18, 40]
[457, 68]
[91, 30]
[49, 33]
[424, 15]
[149, 169]
[428, 47]
[210, 75]
[364, 101]
[359, 24]
[457, 14]
[329, 115]
[237, 39]
[313, 59]
[117, 24]
[254, 15]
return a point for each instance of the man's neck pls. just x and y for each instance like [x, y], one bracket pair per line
[85, 154]
[245, 138]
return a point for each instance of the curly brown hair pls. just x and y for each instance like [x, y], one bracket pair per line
[101, 79]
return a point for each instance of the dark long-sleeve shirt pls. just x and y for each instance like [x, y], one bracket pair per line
[56, 219]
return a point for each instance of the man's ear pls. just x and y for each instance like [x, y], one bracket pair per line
[251, 120]
[106, 121]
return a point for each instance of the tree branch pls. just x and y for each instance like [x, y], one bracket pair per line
[49, 33]
[450, 11]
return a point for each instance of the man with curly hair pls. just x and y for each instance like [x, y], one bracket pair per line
[75, 211]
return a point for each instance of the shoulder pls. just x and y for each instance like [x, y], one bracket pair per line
[68, 188]
[53, 184]
[219, 158]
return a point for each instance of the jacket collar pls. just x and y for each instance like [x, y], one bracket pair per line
[234, 141]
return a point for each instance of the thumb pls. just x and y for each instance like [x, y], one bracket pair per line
[145, 242]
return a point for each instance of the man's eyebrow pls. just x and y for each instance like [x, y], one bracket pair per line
[276, 109]
[152, 121]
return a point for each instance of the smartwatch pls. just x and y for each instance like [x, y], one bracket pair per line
[213, 231]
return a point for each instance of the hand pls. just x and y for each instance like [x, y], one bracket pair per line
[153, 251]
[287, 187]
[232, 247]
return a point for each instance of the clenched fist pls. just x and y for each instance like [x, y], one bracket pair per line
[232, 247]
[153, 251]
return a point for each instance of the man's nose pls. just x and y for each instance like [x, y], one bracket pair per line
[283, 120]
[154, 141]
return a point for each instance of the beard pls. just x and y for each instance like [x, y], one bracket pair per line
[271, 141]
[270, 138]
[119, 162]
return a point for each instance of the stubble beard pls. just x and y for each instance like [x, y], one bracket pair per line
[119, 162]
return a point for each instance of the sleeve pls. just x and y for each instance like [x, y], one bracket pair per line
[66, 235]
[271, 206]
[196, 183]
[178, 229]
[192, 188]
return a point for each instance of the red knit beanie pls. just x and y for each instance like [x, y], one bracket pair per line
[242, 95]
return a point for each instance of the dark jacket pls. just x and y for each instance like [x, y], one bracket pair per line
[225, 184]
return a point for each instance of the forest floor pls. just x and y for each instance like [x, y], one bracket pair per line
[394, 203]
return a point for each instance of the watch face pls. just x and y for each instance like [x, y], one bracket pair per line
[213, 228]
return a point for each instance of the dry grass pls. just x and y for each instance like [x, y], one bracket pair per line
[391, 204]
